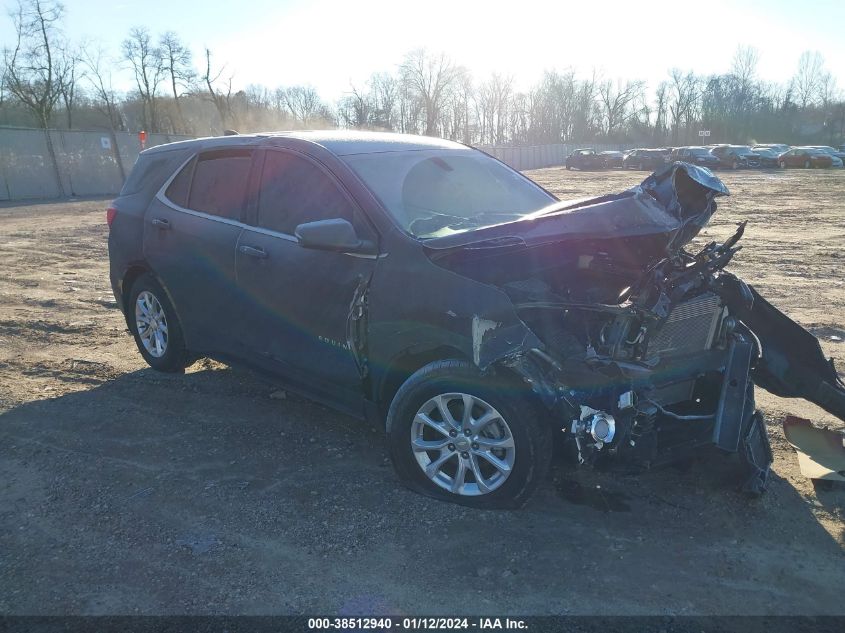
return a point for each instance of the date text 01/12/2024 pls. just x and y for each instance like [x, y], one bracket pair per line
[423, 623]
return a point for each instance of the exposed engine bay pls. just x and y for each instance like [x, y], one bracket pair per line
[643, 351]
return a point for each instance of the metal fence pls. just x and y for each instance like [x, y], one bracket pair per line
[87, 163]
[537, 156]
[92, 163]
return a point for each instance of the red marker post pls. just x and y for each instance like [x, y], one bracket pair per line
[142, 137]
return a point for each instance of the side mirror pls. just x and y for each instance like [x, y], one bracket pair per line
[332, 235]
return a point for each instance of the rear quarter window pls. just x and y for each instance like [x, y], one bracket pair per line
[151, 170]
[179, 189]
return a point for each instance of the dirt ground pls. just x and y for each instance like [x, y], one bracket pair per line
[127, 491]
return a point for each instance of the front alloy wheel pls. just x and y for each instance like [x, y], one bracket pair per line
[462, 444]
[476, 439]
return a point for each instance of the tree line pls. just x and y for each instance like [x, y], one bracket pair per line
[49, 81]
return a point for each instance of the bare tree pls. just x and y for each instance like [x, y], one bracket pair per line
[808, 76]
[684, 93]
[98, 68]
[146, 62]
[429, 77]
[493, 100]
[744, 64]
[221, 100]
[31, 67]
[356, 108]
[176, 62]
[69, 74]
[615, 102]
[661, 99]
[385, 90]
[304, 104]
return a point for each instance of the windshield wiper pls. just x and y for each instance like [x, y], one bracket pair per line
[436, 221]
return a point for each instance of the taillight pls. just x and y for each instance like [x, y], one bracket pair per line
[110, 213]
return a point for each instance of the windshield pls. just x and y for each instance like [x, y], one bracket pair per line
[432, 193]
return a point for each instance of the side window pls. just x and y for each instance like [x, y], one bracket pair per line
[219, 183]
[294, 191]
[178, 190]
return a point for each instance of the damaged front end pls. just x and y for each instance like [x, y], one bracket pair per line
[642, 351]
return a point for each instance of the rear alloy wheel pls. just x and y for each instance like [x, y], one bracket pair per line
[782, 164]
[155, 326]
[806, 164]
[151, 323]
[735, 165]
[459, 436]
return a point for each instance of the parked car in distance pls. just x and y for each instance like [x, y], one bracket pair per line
[836, 154]
[768, 156]
[646, 159]
[612, 159]
[805, 157]
[585, 158]
[696, 155]
[778, 148]
[735, 156]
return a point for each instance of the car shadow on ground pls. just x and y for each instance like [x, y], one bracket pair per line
[199, 493]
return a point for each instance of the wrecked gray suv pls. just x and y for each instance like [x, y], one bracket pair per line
[428, 287]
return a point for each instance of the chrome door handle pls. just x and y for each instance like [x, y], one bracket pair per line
[161, 223]
[252, 251]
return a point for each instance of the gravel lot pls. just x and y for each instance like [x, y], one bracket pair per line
[127, 491]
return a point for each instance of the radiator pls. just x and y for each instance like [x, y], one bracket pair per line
[690, 327]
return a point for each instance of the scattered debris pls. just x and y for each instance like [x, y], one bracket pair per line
[821, 452]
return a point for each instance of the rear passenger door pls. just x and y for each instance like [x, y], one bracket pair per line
[190, 237]
[298, 300]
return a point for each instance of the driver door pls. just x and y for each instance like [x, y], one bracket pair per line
[299, 300]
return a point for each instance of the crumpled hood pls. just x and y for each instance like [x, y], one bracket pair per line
[676, 202]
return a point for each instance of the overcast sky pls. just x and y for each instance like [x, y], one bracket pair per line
[330, 43]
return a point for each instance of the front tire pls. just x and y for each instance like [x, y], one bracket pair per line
[460, 436]
[155, 326]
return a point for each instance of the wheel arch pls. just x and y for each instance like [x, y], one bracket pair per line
[404, 365]
[130, 276]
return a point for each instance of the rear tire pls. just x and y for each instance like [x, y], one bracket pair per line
[155, 326]
[469, 467]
